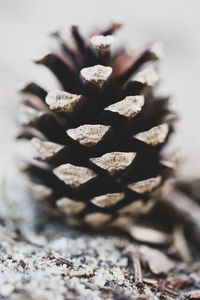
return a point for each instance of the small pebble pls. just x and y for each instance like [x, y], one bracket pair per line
[22, 263]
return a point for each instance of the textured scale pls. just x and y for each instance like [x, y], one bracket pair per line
[97, 141]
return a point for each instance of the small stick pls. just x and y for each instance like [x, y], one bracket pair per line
[137, 268]
[181, 244]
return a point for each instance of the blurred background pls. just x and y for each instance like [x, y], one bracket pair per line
[24, 28]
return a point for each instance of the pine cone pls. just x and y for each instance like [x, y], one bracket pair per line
[97, 142]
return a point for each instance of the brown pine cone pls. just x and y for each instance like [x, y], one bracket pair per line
[97, 142]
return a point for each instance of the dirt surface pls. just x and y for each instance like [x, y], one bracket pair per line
[62, 263]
